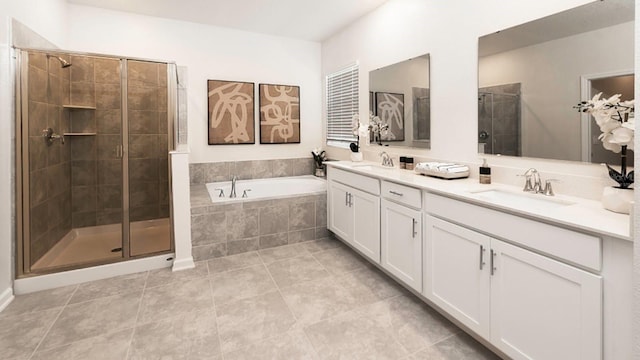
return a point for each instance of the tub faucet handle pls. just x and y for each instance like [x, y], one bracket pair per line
[244, 193]
[221, 194]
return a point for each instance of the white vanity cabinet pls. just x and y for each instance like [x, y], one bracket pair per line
[354, 214]
[401, 233]
[528, 305]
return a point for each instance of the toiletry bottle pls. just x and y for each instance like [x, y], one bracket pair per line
[485, 173]
[409, 163]
[403, 162]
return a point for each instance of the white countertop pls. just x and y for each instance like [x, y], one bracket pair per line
[580, 214]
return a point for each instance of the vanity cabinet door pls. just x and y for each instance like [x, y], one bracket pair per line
[543, 309]
[340, 212]
[456, 272]
[366, 226]
[401, 241]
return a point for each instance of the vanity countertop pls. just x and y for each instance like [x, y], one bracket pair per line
[577, 213]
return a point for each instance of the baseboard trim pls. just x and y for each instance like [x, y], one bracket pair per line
[73, 277]
[183, 264]
[6, 298]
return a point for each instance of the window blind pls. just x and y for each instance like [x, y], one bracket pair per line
[342, 104]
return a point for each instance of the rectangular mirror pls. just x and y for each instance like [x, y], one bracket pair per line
[530, 76]
[399, 96]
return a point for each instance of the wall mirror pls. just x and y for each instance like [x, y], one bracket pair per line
[530, 76]
[399, 96]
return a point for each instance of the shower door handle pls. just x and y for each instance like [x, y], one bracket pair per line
[119, 151]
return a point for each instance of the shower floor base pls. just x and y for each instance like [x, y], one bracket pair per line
[101, 243]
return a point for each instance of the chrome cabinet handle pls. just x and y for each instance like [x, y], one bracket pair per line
[395, 193]
[493, 268]
[346, 199]
[482, 249]
[414, 228]
[350, 199]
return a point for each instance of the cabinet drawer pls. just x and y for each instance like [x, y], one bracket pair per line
[578, 248]
[402, 194]
[364, 183]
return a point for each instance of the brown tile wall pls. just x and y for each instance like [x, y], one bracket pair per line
[202, 173]
[49, 165]
[148, 140]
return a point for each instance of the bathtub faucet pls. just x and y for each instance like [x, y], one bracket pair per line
[233, 186]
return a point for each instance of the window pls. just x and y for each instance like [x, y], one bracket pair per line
[342, 104]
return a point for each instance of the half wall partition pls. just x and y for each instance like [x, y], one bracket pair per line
[93, 134]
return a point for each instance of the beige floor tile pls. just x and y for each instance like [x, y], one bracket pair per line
[460, 346]
[109, 287]
[234, 262]
[322, 244]
[20, 334]
[340, 260]
[93, 318]
[38, 301]
[292, 345]
[166, 301]
[371, 281]
[317, 300]
[106, 347]
[243, 323]
[281, 252]
[166, 276]
[190, 336]
[355, 335]
[296, 270]
[240, 284]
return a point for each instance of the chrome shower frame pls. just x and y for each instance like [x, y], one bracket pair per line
[22, 181]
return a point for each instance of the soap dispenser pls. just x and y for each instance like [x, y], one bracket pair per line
[485, 173]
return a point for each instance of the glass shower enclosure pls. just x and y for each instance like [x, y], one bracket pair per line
[93, 134]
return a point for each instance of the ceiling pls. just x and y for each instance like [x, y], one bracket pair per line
[301, 19]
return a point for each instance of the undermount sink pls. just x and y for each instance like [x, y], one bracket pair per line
[371, 167]
[522, 200]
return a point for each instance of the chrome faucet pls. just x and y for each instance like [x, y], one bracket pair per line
[233, 186]
[386, 159]
[536, 186]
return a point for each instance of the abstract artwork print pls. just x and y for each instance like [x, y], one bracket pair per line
[390, 110]
[279, 114]
[231, 115]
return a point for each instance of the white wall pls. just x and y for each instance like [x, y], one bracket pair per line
[211, 53]
[449, 32]
[47, 18]
[550, 128]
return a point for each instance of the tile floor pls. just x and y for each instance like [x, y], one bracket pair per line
[313, 300]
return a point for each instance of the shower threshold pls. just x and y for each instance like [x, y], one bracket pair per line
[100, 243]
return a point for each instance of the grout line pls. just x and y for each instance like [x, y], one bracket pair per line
[53, 323]
[215, 314]
[135, 323]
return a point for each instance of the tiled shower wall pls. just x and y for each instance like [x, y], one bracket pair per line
[148, 141]
[499, 115]
[202, 173]
[97, 168]
[96, 174]
[49, 165]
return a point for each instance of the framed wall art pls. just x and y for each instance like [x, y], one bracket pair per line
[231, 112]
[390, 110]
[279, 114]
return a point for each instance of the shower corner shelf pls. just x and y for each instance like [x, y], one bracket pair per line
[79, 134]
[79, 107]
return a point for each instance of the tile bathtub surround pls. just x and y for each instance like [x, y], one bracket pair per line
[202, 173]
[278, 303]
[227, 229]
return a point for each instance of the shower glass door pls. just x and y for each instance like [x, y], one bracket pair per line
[92, 158]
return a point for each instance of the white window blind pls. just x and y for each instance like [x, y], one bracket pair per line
[342, 104]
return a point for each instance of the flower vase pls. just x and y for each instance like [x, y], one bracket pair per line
[617, 199]
[356, 156]
[320, 172]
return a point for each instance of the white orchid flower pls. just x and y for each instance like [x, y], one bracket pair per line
[607, 144]
[609, 126]
[622, 136]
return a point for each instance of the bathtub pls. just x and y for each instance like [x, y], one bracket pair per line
[265, 189]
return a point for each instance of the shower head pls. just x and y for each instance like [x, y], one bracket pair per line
[64, 63]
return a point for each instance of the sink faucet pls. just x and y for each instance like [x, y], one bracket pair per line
[536, 187]
[386, 159]
[233, 186]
